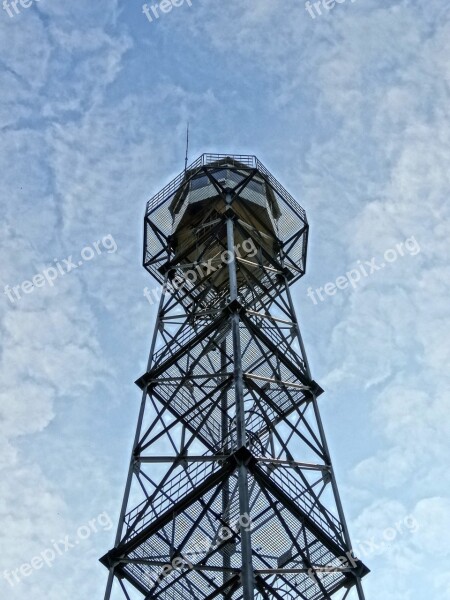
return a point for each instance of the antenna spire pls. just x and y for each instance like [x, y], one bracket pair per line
[187, 148]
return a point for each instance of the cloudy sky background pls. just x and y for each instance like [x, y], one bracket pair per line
[350, 112]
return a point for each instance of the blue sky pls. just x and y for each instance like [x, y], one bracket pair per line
[349, 110]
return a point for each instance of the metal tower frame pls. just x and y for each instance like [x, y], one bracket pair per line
[230, 492]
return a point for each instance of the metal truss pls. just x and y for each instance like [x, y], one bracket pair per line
[231, 492]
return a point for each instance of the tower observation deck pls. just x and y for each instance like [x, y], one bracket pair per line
[230, 492]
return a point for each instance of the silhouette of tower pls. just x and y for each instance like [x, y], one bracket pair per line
[230, 492]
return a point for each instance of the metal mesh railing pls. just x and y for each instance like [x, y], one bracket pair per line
[176, 487]
[280, 541]
[233, 160]
[202, 161]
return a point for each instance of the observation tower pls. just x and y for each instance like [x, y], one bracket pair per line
[230, 492]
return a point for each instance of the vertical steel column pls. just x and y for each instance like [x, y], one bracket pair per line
[324, 443]
[336, 494]
[225, 451]
[135, 443]
[244, 500]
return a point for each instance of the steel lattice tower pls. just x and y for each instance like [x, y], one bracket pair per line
[231, 492]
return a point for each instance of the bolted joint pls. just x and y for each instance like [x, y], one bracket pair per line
[243, 456]
[111, 560]
[230, 213]
[234, 307]
[145, 382]
[315, 388]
